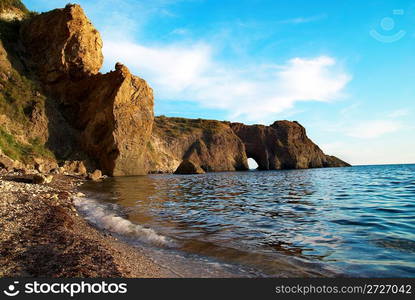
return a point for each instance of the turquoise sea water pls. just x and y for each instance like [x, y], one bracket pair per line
[357, 221]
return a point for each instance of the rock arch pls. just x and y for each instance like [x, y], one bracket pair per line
[283, 145]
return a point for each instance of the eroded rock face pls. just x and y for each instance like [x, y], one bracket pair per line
[113, 112]
[62, 43]
[116, 121]
[210, 144]
[283, 145]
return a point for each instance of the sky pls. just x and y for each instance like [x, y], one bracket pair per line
[344, 69]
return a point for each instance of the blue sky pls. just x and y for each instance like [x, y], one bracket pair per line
[343, 69]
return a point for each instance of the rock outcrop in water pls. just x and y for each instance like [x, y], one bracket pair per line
[50, 82]
[283, 145]
[188, 167]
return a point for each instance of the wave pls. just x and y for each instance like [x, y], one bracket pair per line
[102, 216]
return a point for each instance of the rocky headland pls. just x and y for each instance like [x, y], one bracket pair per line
[283, 145]
[216, 146]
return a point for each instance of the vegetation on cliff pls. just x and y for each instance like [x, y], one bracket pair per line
[175, 127]
[10, 4]
[21, 99]
[19, 95]
[22, 152]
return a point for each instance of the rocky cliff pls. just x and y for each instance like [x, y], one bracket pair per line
[50, 83]
[104, 118]
[113, 112]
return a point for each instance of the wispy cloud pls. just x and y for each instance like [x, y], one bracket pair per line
[301, 20]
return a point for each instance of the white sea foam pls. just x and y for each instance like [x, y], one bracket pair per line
[104, 217]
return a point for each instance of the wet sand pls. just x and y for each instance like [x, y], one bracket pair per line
[42, 235]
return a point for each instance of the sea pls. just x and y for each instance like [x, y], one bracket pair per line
[332, 222]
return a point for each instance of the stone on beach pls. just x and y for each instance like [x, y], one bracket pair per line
[95, 176]
[41, 179]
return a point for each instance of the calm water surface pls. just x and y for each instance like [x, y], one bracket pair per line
[357, 221]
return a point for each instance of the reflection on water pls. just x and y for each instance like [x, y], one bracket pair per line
[355, 221]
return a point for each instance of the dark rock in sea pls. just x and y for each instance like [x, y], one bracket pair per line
[189, 167]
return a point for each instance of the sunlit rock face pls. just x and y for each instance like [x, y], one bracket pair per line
[63, 43]
[112, 112]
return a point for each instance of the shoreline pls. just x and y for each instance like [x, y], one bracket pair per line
[42, 235]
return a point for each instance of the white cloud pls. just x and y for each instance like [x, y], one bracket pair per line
[249, 93]
[399, 113]
[373, 129]
[171, 69]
